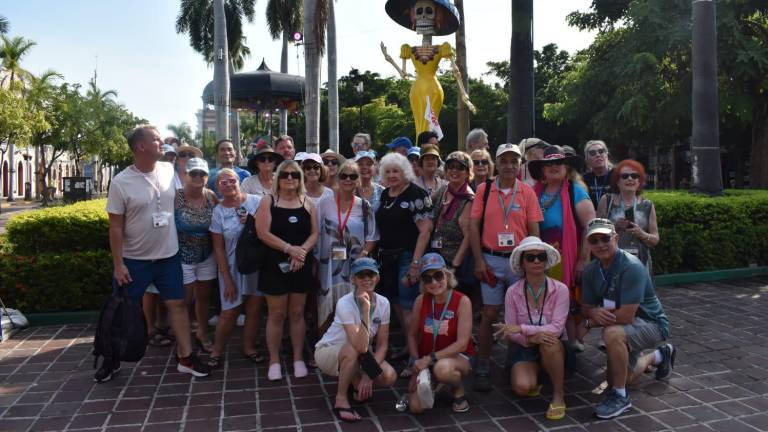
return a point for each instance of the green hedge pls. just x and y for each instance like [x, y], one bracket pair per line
[700, 233]
[78, 227]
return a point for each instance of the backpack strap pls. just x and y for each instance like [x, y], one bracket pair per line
[366, 211]
[486, 194]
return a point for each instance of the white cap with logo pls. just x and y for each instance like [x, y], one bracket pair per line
[508, 148]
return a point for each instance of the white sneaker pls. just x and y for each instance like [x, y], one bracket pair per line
[274, 373]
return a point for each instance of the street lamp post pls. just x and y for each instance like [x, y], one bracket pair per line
[360, 88]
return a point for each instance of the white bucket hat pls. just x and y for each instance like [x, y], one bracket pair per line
[533, 243]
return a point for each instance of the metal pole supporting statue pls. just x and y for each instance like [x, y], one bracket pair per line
[427, 18]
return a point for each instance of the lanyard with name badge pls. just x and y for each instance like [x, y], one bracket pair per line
[609, 291]
[339, 250]
[536, 299]
[506, 238]
[436, 326]
[159, 217]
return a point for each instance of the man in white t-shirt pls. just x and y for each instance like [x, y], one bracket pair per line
[361, 321]
[143, 241]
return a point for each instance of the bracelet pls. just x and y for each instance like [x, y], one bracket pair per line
[285, 249]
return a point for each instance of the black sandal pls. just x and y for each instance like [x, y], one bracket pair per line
[206, 347]
[338, 410]
[159, 338]
[255, 357]
[460, 404]
[213, 361]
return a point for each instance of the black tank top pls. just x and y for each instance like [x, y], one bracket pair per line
[293, 226]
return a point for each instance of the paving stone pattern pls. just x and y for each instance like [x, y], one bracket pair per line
[720, 383]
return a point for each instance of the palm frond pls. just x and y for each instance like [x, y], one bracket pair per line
[4, 25]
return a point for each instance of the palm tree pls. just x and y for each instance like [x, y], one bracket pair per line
[39, 94]
[182, 131]
[196, 18]
[462, 112]
[4, 25]
[283, 19]
[11, 52]
[315, 19]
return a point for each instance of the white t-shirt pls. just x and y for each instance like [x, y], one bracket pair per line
[138, 196]
[252, 185]
[348, 313]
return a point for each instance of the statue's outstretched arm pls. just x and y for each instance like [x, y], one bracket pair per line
[459, 82]
[402, 72]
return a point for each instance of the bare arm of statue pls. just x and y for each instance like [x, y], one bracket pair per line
[460, 84]
[388, 58]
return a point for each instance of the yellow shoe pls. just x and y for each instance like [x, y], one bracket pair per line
[536, 392]
[556, 412]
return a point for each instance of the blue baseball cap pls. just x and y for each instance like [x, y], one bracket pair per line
[414, 151]
[167, 148]
[361, 264]
[400, 142]
[431, 261]
[369, 154]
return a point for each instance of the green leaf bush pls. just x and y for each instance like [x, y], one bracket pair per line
[58, 259]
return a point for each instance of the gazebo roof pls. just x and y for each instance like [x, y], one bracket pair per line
[262, 89]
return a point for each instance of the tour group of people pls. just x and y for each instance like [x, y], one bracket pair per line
[517, 233]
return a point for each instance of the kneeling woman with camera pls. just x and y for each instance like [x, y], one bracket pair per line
[440, 336]
[361, 320]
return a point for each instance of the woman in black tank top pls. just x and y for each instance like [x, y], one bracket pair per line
[286, 222]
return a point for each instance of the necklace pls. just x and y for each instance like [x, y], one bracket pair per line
[549, 202]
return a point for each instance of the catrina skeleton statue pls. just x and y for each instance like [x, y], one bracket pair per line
[427, 18]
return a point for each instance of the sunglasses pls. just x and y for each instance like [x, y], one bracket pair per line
[266, 159]
[344, 176]
[593, 240]
[186, 154]
[228, 182]
[554, 162]
[437, 276]
[366, 274]
[332, 162]
[633, 176]
[542, 257]
[197, 174]
[289, 174]
[481, 161]
[596, 152]
[313, 167]
[455, 166]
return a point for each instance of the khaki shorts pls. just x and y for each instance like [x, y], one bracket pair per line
[327, 359]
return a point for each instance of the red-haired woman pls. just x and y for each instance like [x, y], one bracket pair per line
[633, 214]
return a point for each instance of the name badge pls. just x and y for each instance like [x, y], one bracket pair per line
[506, 239]
[437, 243]
[609, 304]
[160, 219]
[339, 253]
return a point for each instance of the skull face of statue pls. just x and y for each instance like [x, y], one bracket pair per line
[423, 17]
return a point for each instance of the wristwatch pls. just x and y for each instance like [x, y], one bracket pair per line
[433, 357]
[415, 262]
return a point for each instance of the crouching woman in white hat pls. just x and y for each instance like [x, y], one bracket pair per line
[537, 308]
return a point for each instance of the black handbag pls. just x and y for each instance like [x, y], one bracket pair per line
[250, 251]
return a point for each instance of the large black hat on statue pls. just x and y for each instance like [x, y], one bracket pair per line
[435, 17]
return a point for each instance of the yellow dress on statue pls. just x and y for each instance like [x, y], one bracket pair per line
[426, 83]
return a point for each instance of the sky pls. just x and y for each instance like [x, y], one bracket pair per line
[135, 50]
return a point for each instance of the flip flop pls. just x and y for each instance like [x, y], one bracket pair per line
[556, 412]
[338, 410]
[535, 392]
[159, 339]
[460, 404]
[255, 357]
[214, 361]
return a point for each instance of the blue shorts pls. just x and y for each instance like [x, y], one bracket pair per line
[164, 273]
[494, 295]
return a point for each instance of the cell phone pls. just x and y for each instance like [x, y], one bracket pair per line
[285, 266]
[629, 214]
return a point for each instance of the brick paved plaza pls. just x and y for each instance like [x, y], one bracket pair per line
[720, 383]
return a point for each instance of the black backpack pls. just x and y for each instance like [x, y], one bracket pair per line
[122, 331]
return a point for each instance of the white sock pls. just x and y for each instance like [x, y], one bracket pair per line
[657, 357]
[621, 391]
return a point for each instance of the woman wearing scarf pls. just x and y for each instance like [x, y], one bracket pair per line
[567, 209]
[453, 206]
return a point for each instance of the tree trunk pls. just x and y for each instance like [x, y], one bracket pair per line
[333, 84]
[706, 170]
[462, 112]
[284, 69]
[312, 78]
[520, 114]
[758, 172]
[11, 170]
[221, 93]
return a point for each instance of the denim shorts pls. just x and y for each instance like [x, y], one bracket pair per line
[393, 270]
[164, 273]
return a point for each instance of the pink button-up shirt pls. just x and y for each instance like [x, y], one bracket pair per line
[555, 311]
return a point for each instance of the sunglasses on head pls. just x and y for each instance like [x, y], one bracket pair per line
[596, 152]
[601, 238]
[633, 176]
[481, 161]
[186, 154]
[344, 176]
[366, 274]
[228, 182]
[197, 174]
[333, 162]
[289, 174]
[536, 257]
[437, 276]
[455, 166]
[264, 158]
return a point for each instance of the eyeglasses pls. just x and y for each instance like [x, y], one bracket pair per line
[186, 154]
[534, 257]
[481, 161]
[437, 276]
[266, 159]
[333, 162]
[365, 274]
[344, 176]
[596, 152]
[289, 174]
[313, 167]
[455, 166]
[593, 240]
[228, 182]
[198, 174]
[633, 176]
